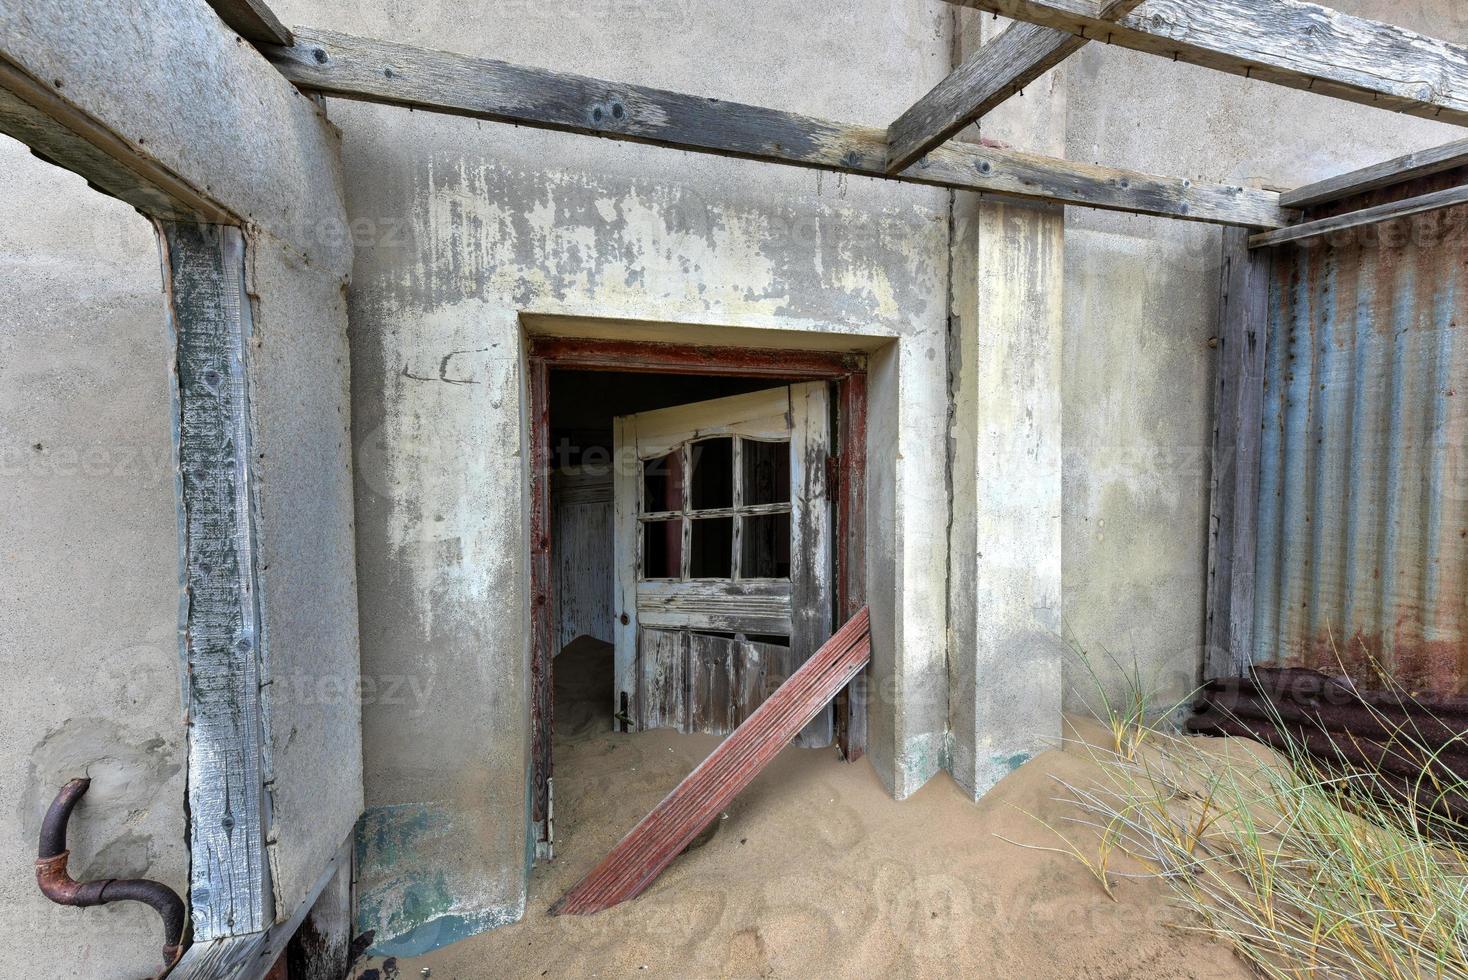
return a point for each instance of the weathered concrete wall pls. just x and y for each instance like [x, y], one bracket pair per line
[1141, 305]
[1005, 330]
[88, 569]
[462, 228]
[219, 119]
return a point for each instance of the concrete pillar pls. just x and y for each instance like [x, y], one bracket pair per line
[1004, 346]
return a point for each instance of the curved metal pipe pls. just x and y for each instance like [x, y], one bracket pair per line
[59, 886]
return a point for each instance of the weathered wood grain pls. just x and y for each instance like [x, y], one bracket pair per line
[986, 79]
[1237, 437]
[250, 956]
[252, 20]
[379, 71]
[38, 115]
[662, 670]
[581, 551]
[850, 708]
[1436, 201]
[1287, 42]
[1421, 163]
[205, 292]
[542, 610]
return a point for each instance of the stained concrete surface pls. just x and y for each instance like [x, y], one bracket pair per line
[88, 569]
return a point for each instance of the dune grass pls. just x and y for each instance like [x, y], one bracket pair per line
[1307, 869]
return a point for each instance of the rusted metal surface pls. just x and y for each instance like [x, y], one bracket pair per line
[1363, 509]
[1411, 743]
[674, 823]
[59, 886]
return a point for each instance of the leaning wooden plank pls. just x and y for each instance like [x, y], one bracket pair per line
[988, 78]
[379, 71]
[1300, 45]
[1422, 163]
[673, 824]
[253, 21]
[1436, 201]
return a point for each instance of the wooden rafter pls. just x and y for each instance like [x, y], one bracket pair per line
[1436, 201]
[987, 79]
[252, 20]
[1421, 163]
[1300, 45]
[379, 71]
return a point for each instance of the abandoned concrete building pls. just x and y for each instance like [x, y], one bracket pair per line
[488, 330]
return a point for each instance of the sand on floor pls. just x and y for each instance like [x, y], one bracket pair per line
[814, 871]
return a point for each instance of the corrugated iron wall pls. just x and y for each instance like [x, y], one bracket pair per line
[1363, 509]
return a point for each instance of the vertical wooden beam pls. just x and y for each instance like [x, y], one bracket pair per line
[222, 637]
[851, 564]
[1237, 434]
[542, 608]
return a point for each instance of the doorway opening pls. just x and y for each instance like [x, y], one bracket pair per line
[697, 533]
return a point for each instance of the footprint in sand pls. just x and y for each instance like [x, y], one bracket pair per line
[746, 956]
[840, 826]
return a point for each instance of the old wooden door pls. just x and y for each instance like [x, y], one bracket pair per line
[723, 554]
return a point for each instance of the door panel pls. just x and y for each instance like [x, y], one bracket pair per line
[722, 526]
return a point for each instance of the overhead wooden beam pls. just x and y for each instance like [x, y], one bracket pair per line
[1300, 45]
[1422, 163]
[1436, 201]
[396, 74]
[987, 79]
[253, 21]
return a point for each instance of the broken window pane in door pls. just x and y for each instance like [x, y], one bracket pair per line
[713, 474]
[662, 483]
[765, 546]
[662, 549]
[766, 472]
[711, 551]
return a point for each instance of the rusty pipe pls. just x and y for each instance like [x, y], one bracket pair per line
[60, 887]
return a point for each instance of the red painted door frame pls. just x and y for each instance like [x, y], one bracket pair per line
[847, 371]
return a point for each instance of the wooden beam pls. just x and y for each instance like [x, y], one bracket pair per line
[251, 956]
[57, 131]
[1299, 45]
[1435, 201]
[1421, 163]
[988, 78]
[1237, 437]
[204, 290]
[395, 74]
[253, 21]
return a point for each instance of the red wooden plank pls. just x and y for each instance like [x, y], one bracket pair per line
[673, 824]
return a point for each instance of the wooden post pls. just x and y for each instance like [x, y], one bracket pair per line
[229, 885]
[1238, 408]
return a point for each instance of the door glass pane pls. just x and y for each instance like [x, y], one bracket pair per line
[765, 550]
[766, 472]
[662, 483]
[662, 549]
[713, 474]
[711, 552]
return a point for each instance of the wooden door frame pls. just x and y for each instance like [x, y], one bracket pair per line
[849, 373]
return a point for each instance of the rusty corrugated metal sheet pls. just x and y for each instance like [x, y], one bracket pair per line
[664, 833]
[1412, 747]
[1363, 519]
